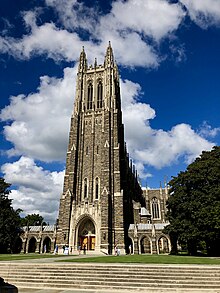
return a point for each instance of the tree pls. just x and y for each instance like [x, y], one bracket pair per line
[32, 220]
[194, 205]
[9, 219]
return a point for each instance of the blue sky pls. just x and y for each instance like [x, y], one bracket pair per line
[168, 53]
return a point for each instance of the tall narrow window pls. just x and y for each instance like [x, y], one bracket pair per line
[90, 96]
[85, 188]
[97, 188]
[155, 208]
[99, 95]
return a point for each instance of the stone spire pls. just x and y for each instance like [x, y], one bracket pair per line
[82, 61]
[109, 58]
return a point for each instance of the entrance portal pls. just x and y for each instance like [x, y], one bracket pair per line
[86, 234]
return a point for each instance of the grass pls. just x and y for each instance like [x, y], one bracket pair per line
[138, 259]
[10, 257]
[149, 259]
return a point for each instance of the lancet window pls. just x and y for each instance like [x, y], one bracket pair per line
[99, 94]
[155, 208]
[97, 188]
[85, 188]
[90, 96]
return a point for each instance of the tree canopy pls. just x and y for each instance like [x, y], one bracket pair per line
[32, 220]
[9, 219]
[194, 205]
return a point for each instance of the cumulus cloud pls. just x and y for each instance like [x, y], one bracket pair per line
[131, 22]
[38, 190]
[63, 45]
[154, 18]
[40, 121]
[74, 14]
[207, 131]
[204, 12]
[166, 148]
[38, 126]
[158, 148]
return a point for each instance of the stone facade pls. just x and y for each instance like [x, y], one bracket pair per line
[146, 233]
[37, 239]
[102, 204]
[100, 183]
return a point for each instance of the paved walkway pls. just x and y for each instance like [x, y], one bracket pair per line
[150, 290]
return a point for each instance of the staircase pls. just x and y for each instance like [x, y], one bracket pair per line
[118, 277]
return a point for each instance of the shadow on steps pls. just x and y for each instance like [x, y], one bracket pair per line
[6, 287]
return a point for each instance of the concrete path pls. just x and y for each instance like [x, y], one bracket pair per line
[116, 291]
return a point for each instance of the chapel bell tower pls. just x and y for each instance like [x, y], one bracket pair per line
[99, 183]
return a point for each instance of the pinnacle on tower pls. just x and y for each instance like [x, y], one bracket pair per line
[82, 61]
[109, 58]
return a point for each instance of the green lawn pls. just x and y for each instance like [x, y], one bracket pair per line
[9, 257]
[149, 259]
[141, 259]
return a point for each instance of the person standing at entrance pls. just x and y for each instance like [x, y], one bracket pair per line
[84, 249]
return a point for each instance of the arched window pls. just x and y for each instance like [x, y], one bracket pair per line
[97, 188]
[99, 94]
[155, 208]
[87, 151]
[90, 96]
[85, 188]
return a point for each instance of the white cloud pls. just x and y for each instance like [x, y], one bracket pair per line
[38, 190]
[74, 14]
[158, 148]
[166, 148]
[155, 18]
[203, 12]
[128, 25]
[62, 46]
[207, 131]
[40, 121]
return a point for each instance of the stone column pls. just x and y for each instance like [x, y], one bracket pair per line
[23, 249]
[38, 246]
[136, 248]
[154, 246]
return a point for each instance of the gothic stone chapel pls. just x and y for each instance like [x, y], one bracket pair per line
[100, 183]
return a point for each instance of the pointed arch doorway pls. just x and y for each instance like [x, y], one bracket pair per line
[86, 234]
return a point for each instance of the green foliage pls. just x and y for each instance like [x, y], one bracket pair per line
[9, 219]
[32, 220]
[194, 205]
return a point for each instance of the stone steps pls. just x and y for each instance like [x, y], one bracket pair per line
[105, 277]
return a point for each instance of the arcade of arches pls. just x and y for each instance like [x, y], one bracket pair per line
[39, 239]
[147, 244]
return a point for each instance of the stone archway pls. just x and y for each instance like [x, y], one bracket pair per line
[47, 244]
[145, 245]
[32, 245]
[86, 234]
[163, 245]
